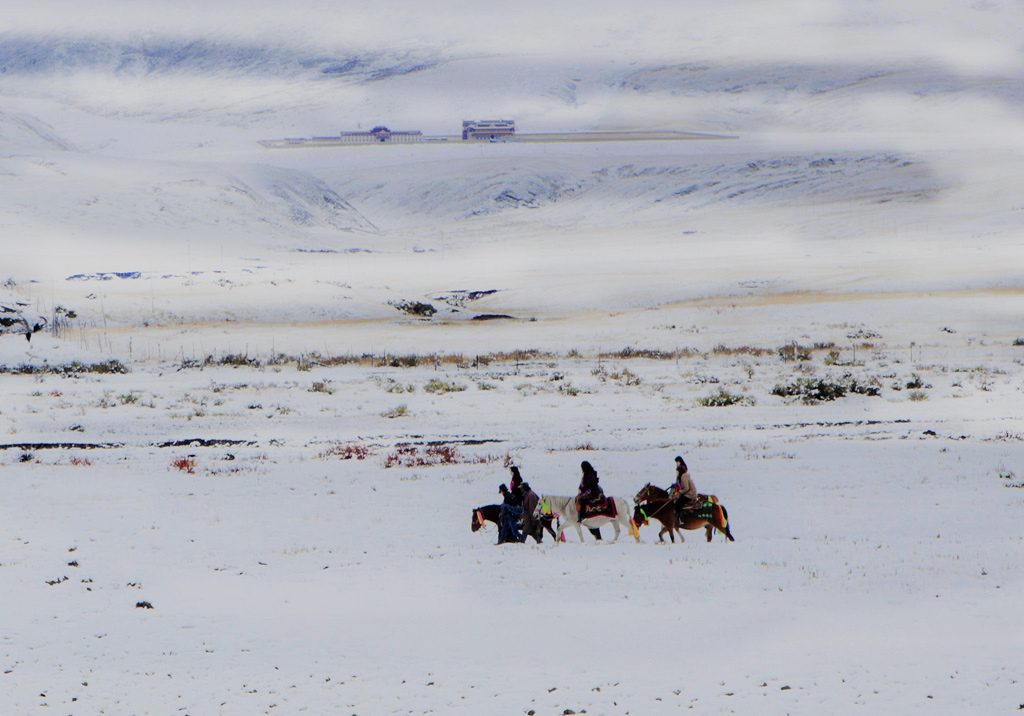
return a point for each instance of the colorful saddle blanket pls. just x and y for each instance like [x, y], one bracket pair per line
[708, 509]
[601, 508]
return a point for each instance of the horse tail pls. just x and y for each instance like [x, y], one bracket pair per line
[724, 521]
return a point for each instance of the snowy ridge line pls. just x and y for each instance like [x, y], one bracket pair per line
[198, 442]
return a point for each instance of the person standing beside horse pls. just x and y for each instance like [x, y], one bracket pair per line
[531, 513]
[511, 510]
[683, 491]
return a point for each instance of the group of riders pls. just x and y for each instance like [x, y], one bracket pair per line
[522, 509]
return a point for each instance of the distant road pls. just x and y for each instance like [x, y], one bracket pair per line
[662, 136]
[618, 137]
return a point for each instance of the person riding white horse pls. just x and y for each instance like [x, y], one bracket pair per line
[590, 491]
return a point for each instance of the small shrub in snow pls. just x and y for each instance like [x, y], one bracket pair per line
[186, 464]
[724, 398]
[723, 350]
[648, 353]
[68, 369]
[347, 451]
[818, 390]
[399, 411]
[1009, 437]
[627, 378]
[412, 456]
[794, 352]
[409, 456]
[408, 361]
[105, 367]
[322, 386]
[439, 386]
[917, 395]
[235, 359]
[915, 383]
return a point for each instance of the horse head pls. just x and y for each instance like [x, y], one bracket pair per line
[639, 516]
[478, 520]
[642, 495]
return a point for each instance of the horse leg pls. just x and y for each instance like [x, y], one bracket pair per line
[627, 522]
[709, 530]
[547, 526]
[561, 533]
[615, 526]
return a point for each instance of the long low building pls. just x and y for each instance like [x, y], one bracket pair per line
[488, 130]
[485, 130]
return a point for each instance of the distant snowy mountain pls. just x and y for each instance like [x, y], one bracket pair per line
[127, 135]
[143, 56]
[107, 198]
[603, 188]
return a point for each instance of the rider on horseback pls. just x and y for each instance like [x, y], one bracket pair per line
[590, 491]
[683, 491]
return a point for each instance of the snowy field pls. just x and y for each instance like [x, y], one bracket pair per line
[240, 460]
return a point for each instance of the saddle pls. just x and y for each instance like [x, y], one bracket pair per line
[708, 510]
[602, 507]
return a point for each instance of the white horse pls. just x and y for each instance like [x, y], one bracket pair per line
[565, 508]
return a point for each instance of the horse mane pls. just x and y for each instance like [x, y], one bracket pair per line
[655, 492]
[489, 512]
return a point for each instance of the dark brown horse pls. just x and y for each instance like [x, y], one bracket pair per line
[654, 503]
[492, 513]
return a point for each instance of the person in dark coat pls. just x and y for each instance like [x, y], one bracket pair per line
[590, 490]
[531, 513]
[511, 511]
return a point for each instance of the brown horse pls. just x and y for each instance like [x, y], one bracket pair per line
[653, 502]
[492, 513]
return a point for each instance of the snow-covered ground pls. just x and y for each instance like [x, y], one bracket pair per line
[232, 412]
